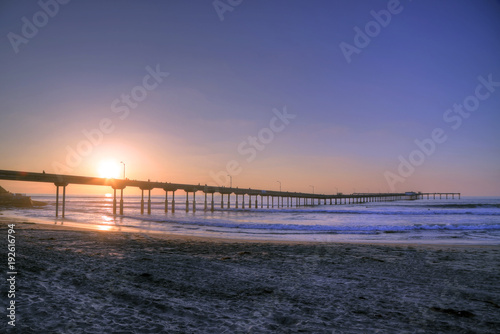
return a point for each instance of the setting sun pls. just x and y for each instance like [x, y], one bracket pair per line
[109, 169]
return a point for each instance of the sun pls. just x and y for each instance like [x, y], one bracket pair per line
[109, 169]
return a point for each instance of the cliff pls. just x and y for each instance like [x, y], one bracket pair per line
[8, 199]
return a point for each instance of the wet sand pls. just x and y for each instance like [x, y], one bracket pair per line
[81, 281]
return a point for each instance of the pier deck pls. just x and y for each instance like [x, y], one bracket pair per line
[267, 197]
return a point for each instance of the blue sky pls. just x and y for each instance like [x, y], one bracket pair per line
[353, 120]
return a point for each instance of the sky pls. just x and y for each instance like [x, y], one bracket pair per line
[330, 96]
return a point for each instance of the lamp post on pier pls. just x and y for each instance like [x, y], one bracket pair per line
[123, 169]
[280, 184]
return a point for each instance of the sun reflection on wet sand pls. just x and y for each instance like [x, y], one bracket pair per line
[107, 219]
[108, 223]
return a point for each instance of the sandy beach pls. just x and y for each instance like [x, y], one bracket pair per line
[82, 281]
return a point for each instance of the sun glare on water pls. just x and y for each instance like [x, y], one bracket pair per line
[109, 169]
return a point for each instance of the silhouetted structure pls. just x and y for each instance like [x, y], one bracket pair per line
[267, 197]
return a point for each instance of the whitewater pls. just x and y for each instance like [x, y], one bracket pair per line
[469, 220]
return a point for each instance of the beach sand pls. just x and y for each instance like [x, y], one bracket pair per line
[81, 281]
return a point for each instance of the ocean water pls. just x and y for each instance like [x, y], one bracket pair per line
[469, 220]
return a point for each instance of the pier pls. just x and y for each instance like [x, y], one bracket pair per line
[250, 198]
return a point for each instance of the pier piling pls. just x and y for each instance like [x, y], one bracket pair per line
[194, 201]
[149, 201]
[166, 201]
[142, 201]
[173, 201]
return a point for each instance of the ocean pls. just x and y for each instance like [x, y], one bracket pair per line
[469, 220]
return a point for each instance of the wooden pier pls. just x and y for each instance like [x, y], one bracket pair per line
[452, 195]
[255, 198]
